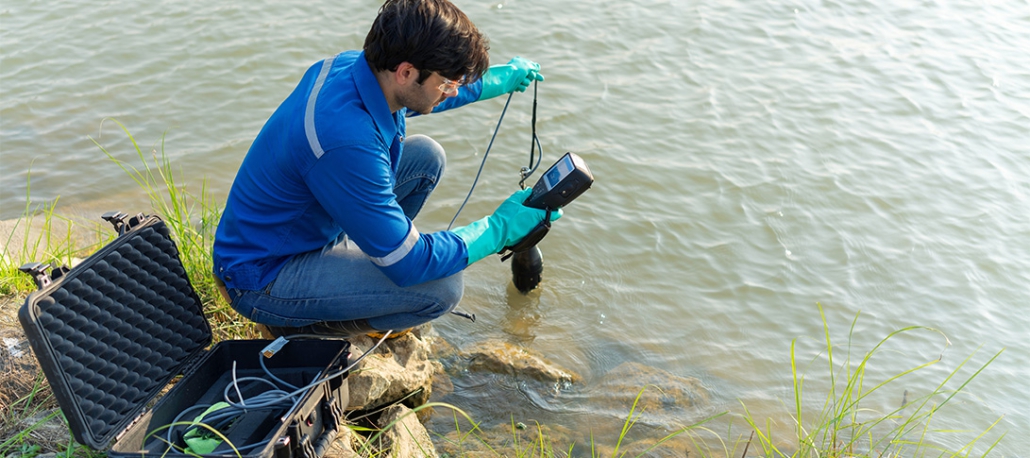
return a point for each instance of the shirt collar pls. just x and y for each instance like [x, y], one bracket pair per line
[374, 99]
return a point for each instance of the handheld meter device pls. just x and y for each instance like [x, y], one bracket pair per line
[560, 184]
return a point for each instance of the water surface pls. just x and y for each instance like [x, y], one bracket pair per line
[752, 161]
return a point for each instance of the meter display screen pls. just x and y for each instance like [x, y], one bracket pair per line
[558, 171]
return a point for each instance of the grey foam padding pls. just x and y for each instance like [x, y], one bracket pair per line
[119, 327]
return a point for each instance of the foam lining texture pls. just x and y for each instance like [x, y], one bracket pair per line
[121, 325]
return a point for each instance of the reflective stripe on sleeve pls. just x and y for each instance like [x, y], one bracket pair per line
[401, 251]
[309, 112]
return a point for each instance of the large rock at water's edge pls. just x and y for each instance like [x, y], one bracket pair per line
[507, 359]
[398, 368]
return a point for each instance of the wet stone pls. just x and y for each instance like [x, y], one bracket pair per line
[522, 363]
[665, 399]
[405, 436]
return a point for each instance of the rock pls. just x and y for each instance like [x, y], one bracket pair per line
[343, 446]
[441, 349]
[442, 385]
[48, 428]
[663, 391]
[507, 359]
[405, 436]
[399, 367]
[15, 353]
[666, 402]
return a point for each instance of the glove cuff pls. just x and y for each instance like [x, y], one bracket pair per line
[495, 81]
[481, 239]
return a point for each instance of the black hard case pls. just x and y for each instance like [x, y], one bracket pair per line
[112, 332]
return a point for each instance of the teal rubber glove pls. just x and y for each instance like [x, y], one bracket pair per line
[201, 440]
[510, 223]
[516, 75]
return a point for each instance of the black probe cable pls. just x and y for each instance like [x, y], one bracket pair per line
[526, 171]
[534, 141]
[483, 163]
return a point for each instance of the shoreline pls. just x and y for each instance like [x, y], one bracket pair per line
[417, 362]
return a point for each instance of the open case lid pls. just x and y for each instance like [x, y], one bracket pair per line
[113, 331]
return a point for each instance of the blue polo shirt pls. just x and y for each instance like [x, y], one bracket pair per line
[323, 165]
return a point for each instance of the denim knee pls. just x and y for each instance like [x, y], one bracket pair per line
[420, 169]
[447, 293]
[429, 151]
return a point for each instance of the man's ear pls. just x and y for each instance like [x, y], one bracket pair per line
[405, 74]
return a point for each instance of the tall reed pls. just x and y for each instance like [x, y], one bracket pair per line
[848, 423]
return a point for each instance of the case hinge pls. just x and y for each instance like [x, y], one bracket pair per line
[130, 427]
[192, 364]
[37, 270]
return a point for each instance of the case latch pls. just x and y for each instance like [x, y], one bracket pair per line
[122, 222]
[38, 272]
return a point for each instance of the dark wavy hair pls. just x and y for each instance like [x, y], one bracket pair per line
[432, 35]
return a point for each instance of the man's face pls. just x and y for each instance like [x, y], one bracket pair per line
[426, 96]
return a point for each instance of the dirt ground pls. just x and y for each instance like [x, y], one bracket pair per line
[27, 408]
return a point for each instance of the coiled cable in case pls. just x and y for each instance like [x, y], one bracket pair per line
[203, 435]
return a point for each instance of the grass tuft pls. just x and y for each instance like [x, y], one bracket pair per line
[39, 235]
[846, 426]
[192, 217]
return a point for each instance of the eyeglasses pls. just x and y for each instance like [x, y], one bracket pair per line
[450, 87]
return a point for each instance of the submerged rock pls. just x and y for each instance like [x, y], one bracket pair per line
[662, 391]
[661, 402]
[507, 359]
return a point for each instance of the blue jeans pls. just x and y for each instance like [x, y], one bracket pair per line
[340, 283]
